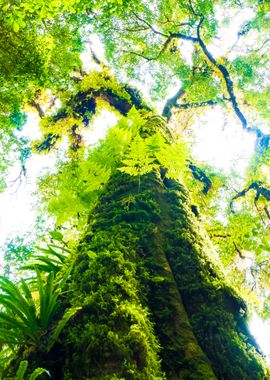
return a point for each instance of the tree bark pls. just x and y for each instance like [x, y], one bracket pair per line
[155, 304]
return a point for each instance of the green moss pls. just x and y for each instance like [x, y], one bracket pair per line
[114, 335]
[212, 305]
[152, 294]
[113, 280]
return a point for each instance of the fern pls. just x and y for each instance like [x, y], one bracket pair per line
[21, 370]
[48, 299]
[51, 259]
[19, 317]
[139, 160]
[27, 312]
[37, 372]
[173, 158]
[69, 313]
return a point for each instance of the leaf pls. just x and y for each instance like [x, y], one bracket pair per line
[48, 295]
[21, 370]
[37, 372]
[139, 160]
[61, 324]
[56, 235]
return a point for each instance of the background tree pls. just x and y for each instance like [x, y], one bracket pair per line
[146, 298]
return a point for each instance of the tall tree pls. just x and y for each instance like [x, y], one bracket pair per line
[143, 296]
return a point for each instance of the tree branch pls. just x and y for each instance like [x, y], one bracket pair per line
[164, 47]
[238, 251]
[196, 104]
[40, 111]
[226, 76]
[260, 191]
[200, 175]
[171, 102]
[83, 105]
[149, 25]
[184, 37]
[263, 140]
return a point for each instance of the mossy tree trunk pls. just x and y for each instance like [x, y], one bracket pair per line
[155, 305]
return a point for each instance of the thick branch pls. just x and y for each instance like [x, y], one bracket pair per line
[260, 191]
[200, 175]
[226, 76]
[184, 37]
[172, 102]
[262, 139]
[196, 104]
[83, 105]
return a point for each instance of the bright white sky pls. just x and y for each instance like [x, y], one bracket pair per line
[219, 141]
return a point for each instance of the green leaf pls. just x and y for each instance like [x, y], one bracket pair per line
[61, 324]
[56, 235]
[21, 370]
[37, 372]
[16, 26]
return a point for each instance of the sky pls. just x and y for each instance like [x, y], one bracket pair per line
[218, 141]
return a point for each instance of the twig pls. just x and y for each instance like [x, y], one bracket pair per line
[239, 251]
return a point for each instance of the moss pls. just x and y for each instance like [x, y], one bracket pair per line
[113, 336]
[114, 282]
[153, 297]
[212, 305]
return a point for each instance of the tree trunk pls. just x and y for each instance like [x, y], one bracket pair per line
[155, 305]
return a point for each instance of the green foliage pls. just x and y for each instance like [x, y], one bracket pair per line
[21, 372]
[74, 190]
[151, 153]
[27, 309]
[173, 159]
[50, 259]
[69, 313]
[16, 251]
[40, 47]
[138, 160]
[103, 80]
[31, 310]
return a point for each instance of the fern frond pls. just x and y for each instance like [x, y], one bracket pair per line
[61, 324]
[21, 370]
